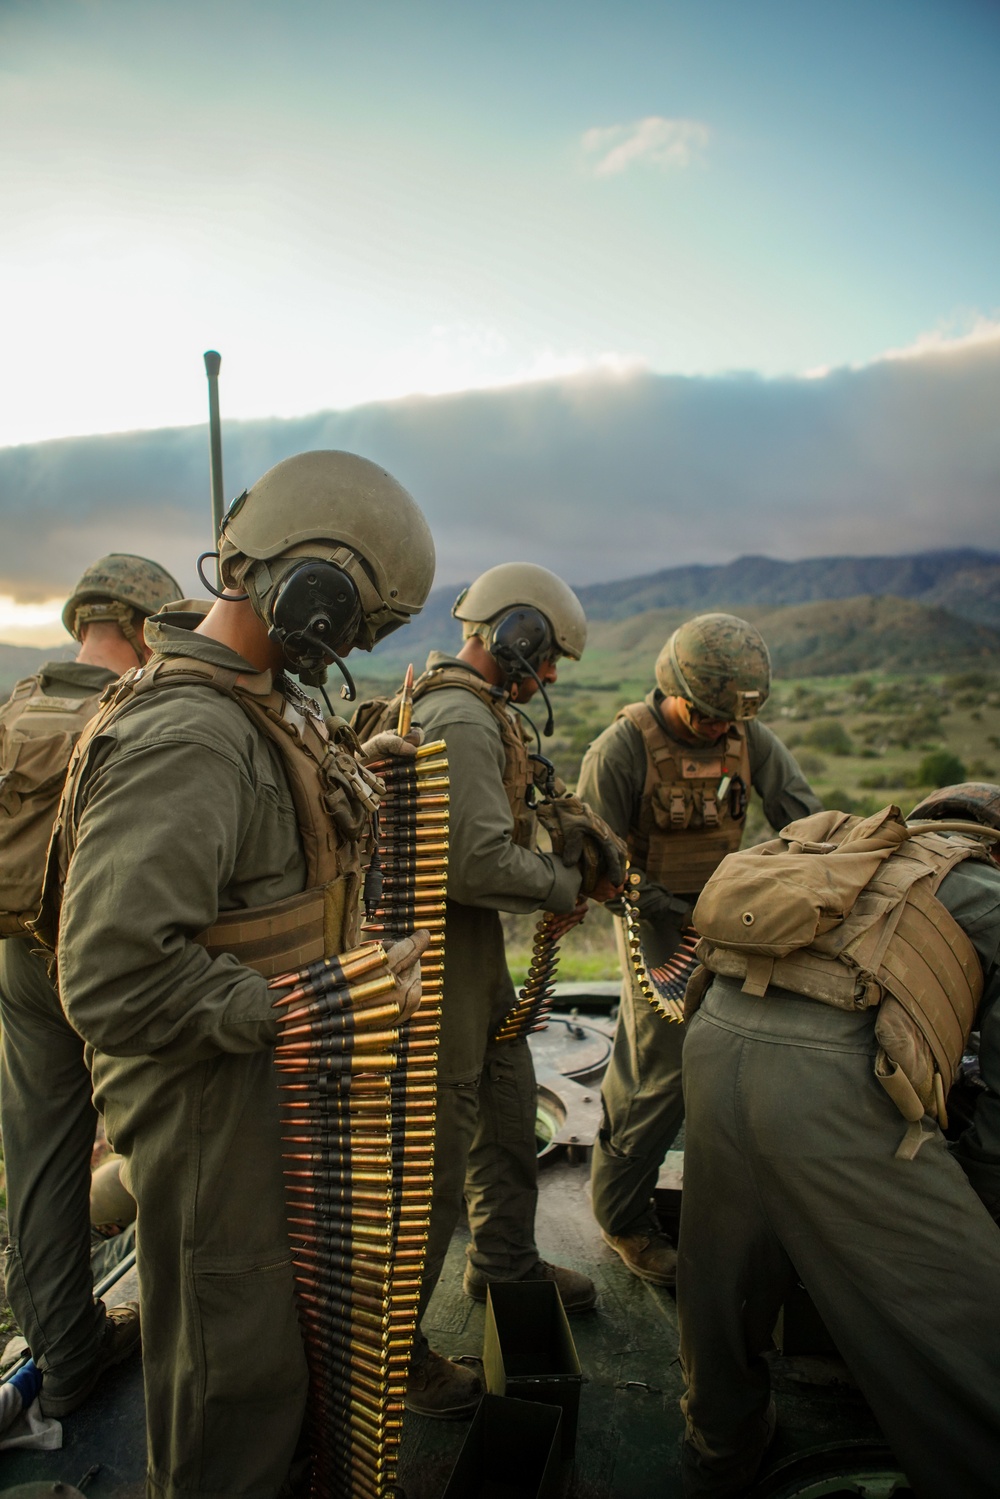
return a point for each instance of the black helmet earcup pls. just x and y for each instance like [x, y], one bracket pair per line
[521, 637]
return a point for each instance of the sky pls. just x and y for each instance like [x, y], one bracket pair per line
[359, 205]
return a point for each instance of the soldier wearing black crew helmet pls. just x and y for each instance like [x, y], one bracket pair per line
[672, 775]
[46, 1113]
[518, 619]
[214, 829]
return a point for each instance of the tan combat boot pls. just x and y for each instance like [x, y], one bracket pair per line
[651, 1256]
[121, 1337]
[441, 1389]
[577, 1292]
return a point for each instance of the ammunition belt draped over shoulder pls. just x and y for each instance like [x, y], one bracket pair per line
[688, 820]
[335, 800]
[516, 769]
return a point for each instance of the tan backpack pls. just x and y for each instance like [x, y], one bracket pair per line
[844, 911]
[37, 735]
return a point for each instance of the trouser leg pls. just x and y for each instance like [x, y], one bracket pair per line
[223, 1359]
[900, 1257]
[732, 1276]
[49, 1122]
[501, 1183]
[457, 1118]
[643, 1109]
[903, 1263]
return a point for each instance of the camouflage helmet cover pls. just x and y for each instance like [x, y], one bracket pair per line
[975, 801]
[718, 663]
[344, 507]
[511, 585]
[121, 579]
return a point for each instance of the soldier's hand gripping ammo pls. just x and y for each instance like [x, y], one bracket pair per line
[582, 838]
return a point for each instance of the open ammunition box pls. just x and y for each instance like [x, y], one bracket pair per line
[528, 1350]
[511, 1452]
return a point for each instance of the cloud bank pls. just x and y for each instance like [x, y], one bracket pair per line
[660, 142]
[597, 476]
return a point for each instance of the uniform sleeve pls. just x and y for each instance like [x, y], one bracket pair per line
[158, 839]
[775, 775]
[485, 866]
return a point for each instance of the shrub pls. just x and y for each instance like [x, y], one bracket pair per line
[940, 768]
[830, 735]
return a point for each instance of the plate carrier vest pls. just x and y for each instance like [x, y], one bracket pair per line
[685, 827]
[334, 799]
[38, 733]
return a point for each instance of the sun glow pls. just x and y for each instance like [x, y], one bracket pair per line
[31, 624]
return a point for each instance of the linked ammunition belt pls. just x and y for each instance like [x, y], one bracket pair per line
[664, 986]
[530, 1011]
[358, 1114]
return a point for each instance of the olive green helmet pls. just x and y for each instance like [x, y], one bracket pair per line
[122, 589]
[514, 585]
[719, 664]
[970, 801]
[338, 508]
[111, 1204]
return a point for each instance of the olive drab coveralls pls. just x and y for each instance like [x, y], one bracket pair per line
[47, 1114]
[664, 798]
[211, 817]
[794, 1168]
[485, 1145]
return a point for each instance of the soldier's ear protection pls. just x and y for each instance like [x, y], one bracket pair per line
[520, 641]
[314, 616]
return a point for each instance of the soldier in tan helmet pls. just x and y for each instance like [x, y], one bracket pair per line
[518, 619]
[209, 792]
[673, 775]
[47, 1116]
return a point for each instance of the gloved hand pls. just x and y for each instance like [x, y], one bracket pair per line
[383, 746]
[580, 837]
[403, 959]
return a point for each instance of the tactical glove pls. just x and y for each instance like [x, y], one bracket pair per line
[582, 838]
[403, 960]
[382, 746]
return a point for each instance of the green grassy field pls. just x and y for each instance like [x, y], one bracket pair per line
[862, 740]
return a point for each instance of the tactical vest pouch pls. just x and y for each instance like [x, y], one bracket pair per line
[687, 822]
[272, 939]
[37, 735]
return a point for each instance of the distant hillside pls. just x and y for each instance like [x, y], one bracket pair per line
[973, 593]
[963, 580]
[821, 639]
[17, 661]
